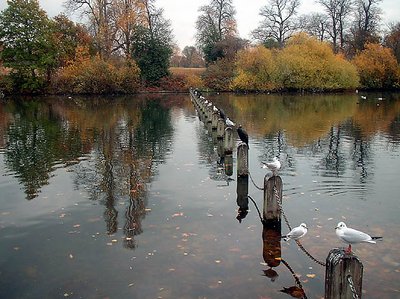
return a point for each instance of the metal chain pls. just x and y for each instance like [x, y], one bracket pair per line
[352, 288]
[279, 201]
[251, 178]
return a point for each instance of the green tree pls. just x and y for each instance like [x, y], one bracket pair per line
[152, 45]
[215, 24]
[28, 47]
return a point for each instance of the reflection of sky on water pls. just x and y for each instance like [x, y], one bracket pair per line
[191, 244]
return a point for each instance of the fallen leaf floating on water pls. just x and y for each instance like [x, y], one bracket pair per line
[77, 225]
[177, 215]
[310, 275]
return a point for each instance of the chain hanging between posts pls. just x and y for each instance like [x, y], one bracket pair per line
[251, 178]
[352, 288]
[279, 201]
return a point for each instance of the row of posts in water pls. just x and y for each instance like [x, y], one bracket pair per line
[343, 272]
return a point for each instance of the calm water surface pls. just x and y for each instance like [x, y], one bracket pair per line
[128, 197]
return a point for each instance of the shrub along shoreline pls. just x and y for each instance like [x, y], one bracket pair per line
[304, 64]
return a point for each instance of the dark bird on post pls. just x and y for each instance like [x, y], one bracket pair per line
[222, 114]
[243, 135]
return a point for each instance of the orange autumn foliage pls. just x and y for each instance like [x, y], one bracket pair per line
[377, 66]
[94, 75]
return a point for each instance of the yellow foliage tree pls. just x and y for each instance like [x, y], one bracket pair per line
[377, 66]
[255, 70]
[94, 75]
[306, 63]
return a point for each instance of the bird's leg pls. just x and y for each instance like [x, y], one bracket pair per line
[348, 250]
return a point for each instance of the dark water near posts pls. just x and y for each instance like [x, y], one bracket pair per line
[127, 198]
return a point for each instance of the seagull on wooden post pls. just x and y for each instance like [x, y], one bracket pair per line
[229, 123]
[274, 166]
[353, 236]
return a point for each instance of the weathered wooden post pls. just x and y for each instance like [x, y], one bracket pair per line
[272, 198]
[242, 160]
[242, 191]
[228, 165]
[228, 140]
[209, 113]
[220, 128]
[214, 120]
[343, 275]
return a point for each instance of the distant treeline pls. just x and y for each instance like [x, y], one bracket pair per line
[127, 47]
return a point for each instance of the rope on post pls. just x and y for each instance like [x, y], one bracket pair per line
[352, 287]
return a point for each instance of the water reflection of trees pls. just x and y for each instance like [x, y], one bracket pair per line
[335, 129]
[122, 141]
[36, 143]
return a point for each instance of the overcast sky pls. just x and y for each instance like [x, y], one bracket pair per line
[183, 14]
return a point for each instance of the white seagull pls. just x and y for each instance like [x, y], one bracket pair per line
[229, 123]
[274, 166]
[352, 236]
[296, 233]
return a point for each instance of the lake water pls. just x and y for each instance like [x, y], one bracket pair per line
[130, 198]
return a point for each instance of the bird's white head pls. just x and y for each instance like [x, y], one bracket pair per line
[304, 225]
[340, 225]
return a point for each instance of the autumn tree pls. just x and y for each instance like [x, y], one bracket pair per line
[191, 57]
[255, 70]
[377, 67]
[366, 24]
[152, 44]
[126, 15]
[68, 36]
[278, 21]
[392, 40]
[28, 47]
[215, 23]
[306, 63]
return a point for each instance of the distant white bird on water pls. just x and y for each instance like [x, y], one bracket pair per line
[363, 97]
[352, 236]
[229, 123]
[296, 233]
[274, 166]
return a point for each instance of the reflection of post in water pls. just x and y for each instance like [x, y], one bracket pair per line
[272, 196]
[228, 165]
[343, 275]
[242, 190]
[271, 236]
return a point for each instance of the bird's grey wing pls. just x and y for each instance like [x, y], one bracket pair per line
[295, 232]
[354, 236]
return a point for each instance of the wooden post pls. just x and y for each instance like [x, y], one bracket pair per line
[214, 120]
[220, 128]
[228, 140]
[209, 113]
[343, 275]
[242, 160]
[228, 165]
[272, 194]
[242, 191]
